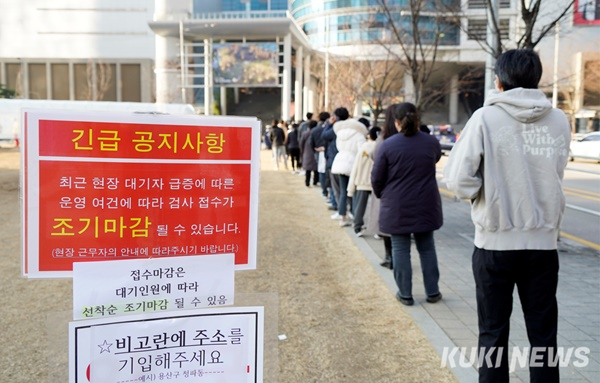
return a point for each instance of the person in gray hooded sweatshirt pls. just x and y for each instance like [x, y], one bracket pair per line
[510, 161]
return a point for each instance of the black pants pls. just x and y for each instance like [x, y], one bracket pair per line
[295, 156]
[535, 273]
[307, 177]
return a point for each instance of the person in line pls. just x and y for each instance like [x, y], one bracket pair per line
[388, 130]
[318, 147]
[293, 147]
[277, 137]
[304, 125]
[403, 177]
[509, 162]
[359, 185]
[309, 160]
[328, 138]
[350, 135]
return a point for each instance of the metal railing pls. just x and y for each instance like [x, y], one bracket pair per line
[239, 15]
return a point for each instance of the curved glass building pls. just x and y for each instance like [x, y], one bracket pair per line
[332, 23]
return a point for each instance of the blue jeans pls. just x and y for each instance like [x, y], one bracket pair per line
[403, 266]
[323, 182]
[343, 200]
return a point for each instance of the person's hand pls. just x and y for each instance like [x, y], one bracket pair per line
[320, 149]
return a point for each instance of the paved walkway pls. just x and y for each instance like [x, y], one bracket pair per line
[453, 321]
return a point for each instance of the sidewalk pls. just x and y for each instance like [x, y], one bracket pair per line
[453, 321]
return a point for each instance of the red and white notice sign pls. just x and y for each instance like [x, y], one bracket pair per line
[208, 345]
[100, 186]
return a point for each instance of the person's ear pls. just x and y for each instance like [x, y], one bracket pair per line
[398, 125]
[497, 83]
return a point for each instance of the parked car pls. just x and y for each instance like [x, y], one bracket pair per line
[445, 135]
[587, 147]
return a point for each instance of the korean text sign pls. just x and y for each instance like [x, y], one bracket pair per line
[119, 186]
[208, 345]
[112, 288]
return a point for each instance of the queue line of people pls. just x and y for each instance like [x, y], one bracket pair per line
[379, 182]
[516, 219]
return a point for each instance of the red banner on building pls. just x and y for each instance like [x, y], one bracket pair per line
[121, 186]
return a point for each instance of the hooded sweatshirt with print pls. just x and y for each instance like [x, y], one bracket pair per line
[350, 135]
[509, 161]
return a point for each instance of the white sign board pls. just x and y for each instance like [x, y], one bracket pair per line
[112, 288]
[208, 345]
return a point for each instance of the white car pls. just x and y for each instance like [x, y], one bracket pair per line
[587, 147]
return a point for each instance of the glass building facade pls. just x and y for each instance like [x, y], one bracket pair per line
[350, 22]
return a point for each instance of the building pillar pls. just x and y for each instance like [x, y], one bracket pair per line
[409, 88]
[223, 93]
[166, 70]
[307, 102]
[298, 99]
[286, 80]
[208, 83]
[453, 104]
[167, 53]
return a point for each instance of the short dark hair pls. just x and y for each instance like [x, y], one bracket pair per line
[341, 113]
[309, 115]
[406, 115]
[324, 116]
[312, 124]
[365, 122]
[374, 132]
[518, 68]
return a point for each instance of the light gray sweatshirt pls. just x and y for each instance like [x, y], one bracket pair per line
[509, 161]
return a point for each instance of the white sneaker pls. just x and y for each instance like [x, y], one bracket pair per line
[377, 236]
[345, 223]
[360, 233]
[350, 216]
[336, 215]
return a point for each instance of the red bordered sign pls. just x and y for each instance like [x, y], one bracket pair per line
[108, 186]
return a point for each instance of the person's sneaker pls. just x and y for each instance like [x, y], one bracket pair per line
[350, 215]
[336, 215]
[376, 236]
[387, 265]
[405, 301]
[360, 233]
[344, 223]
[330, 207]
[434, 298]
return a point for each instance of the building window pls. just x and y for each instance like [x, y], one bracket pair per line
[82, 77]
[14, 79]
[60, 81]
[481, 4]
[106, 82]
[477, 29]
[131, 87]
[38, 88]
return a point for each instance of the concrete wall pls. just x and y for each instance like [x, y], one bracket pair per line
[116, 29]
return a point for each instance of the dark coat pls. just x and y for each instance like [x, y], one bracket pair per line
[315, 135]
[309, 161]
[293, 141]
[328, 137]
[277, 136]
[403, 177]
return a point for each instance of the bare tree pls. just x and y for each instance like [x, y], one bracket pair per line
[538, 17]
[416, 33]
